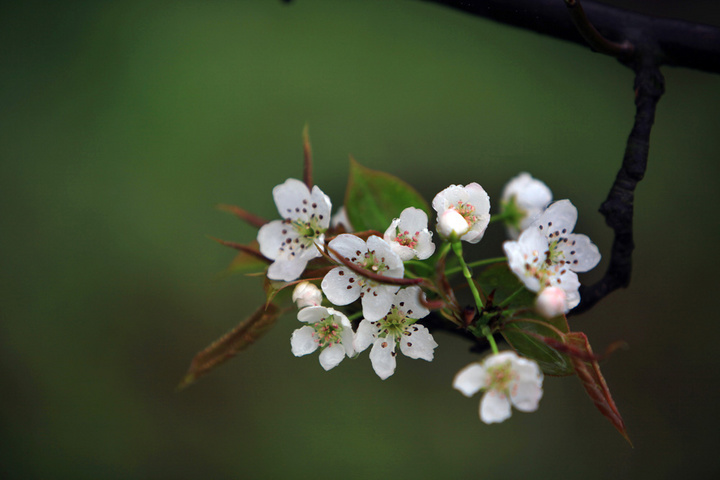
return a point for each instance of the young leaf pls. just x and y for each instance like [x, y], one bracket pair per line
[530, 339]
[373, 199]
[589, 374]
[499, 279]
[231, 343]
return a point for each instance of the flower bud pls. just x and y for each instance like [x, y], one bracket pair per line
[551, 302]
[307, 294]
[452, 224]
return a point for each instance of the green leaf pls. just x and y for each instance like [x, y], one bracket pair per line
[234, 341]
[530, 338]
[373, 199]
[499, 281]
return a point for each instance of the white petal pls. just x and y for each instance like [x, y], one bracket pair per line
[391, 232]
[413, 220]
[382, 356]
[286, 270]
[302, 341]
[288, 198]
[364, 336]
[348, 246]
[418, 344]
[377, 302]
[313, 314]
[494, 407]
[331, 356]
[470, 379]
[270, 238]
[320, 205]
[501, 358]
[338, 288]
[347, 337]
[581, 254]
[425, 246]
[410, 299]
[558, 216]
[403, 251]
[382, 249]
[478, 198]
[526, 395]
[449, 197]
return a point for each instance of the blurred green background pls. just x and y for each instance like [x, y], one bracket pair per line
[122, 124]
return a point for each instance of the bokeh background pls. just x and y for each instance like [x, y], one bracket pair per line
[122, 125]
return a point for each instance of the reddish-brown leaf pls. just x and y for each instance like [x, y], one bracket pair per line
[234, 341]
[588, 371]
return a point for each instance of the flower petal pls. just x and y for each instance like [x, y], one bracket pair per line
[494, 407]
[340, 286]
[580, 253]
[407, 301]
[349, 246]
[364, 336]
[331, 356]
[377, 301]
[302, 341]
[558, 216]
[418, 343]
[289, 198]
[470, 379]
[382, 356]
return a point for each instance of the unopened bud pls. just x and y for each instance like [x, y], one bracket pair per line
[452, 224]
[307, 294]
[551, 302]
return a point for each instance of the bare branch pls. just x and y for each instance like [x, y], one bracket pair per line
[677, 43]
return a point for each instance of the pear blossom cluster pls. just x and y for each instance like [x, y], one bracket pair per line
[356, 291]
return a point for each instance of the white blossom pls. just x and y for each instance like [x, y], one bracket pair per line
[529, 259]
[343, 286]
[328, 330]
[471, 202]
[572, 250]
[524, 198]
[409, 236]
[548, 254]
[291, 242]
[397, 328]
[507, 379]
[306, 294]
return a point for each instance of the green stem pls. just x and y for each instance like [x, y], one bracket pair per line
[354, 316]
[501, 216]
[488, 334]
[478, 263]
[457, 248]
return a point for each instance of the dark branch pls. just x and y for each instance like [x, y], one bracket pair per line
[597, 42]
[679, 43]
[618, 208]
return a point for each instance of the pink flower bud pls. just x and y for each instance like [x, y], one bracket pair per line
[551, 302]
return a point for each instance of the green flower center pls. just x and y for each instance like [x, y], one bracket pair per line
[327, 331]
[500, 376]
